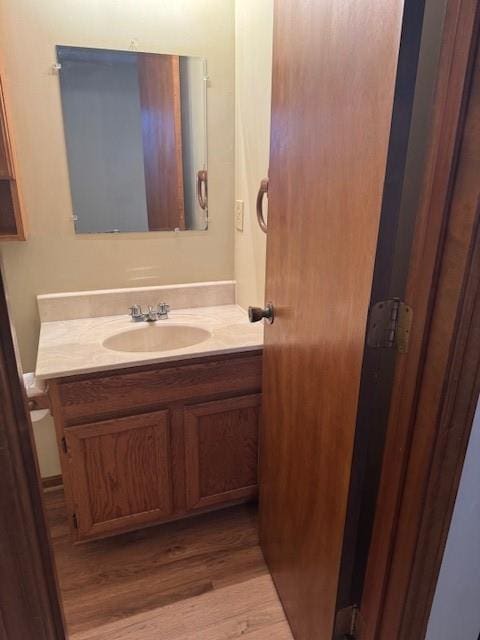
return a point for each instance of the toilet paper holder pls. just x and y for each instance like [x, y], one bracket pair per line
[37, 403]
[37, 396]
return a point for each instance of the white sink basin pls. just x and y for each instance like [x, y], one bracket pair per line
[156, 337]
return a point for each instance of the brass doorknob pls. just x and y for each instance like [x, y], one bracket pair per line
[255, 314]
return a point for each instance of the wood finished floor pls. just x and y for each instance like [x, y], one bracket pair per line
[197, 579]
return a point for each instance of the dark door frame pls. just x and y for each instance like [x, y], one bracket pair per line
[30, 606]
[430, 418]
[437, 384]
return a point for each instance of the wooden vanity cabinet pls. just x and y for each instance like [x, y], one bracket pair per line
[147, 445]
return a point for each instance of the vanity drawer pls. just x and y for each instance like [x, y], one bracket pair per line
[126, 391]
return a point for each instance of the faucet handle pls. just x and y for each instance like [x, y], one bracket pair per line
[163, 308]
[136, 312]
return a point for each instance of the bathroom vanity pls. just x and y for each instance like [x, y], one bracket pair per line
[150, 432]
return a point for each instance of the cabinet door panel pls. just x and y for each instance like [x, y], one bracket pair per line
[121, 473]
[221, 444]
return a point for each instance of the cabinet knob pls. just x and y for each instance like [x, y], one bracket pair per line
[255, 314]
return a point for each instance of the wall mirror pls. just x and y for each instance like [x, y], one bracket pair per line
[136, 139]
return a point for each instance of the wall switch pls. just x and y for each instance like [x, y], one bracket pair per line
[239, 215]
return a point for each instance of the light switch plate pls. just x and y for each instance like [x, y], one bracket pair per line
[239, 215]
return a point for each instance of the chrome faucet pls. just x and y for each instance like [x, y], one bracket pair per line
[162, 311]
[151, 315]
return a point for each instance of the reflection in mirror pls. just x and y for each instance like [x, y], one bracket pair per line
[135, 132]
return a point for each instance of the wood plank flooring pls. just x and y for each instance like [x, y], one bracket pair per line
[198, 579]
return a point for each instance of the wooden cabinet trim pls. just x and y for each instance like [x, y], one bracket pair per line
[56, 410]
[160, 366]
[114, 425]
[230, 497]
[6, 165]
[133, 390]
[10, 201]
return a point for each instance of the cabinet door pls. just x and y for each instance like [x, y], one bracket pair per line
[120, 473]
[221, 445]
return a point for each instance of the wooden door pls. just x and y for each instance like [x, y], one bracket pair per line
[160, 103]
[334, 75]
[120, 473]
[437, 385]
[30, 603]
[221, 445]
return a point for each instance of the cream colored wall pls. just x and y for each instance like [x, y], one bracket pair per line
[253, 66]
[54, 258]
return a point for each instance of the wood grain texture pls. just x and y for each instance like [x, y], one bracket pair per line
[117, 403]
[331, 114]
[49, 482]
[159, 85]
[203, 579]
[221, 444]
[141, 388]
[29, 604]
[6, 166]
[437, 389]
[408, 143]
[382, 620]
[58, 420]
[12, 224]
[448, 456]
[121, 472]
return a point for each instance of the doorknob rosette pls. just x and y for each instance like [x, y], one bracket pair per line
[255, 314]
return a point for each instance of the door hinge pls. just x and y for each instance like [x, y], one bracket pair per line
[389, 325]
[75, 521]
[348, 623]
[64, 445]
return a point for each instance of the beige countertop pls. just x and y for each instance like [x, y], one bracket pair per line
[72, 347]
